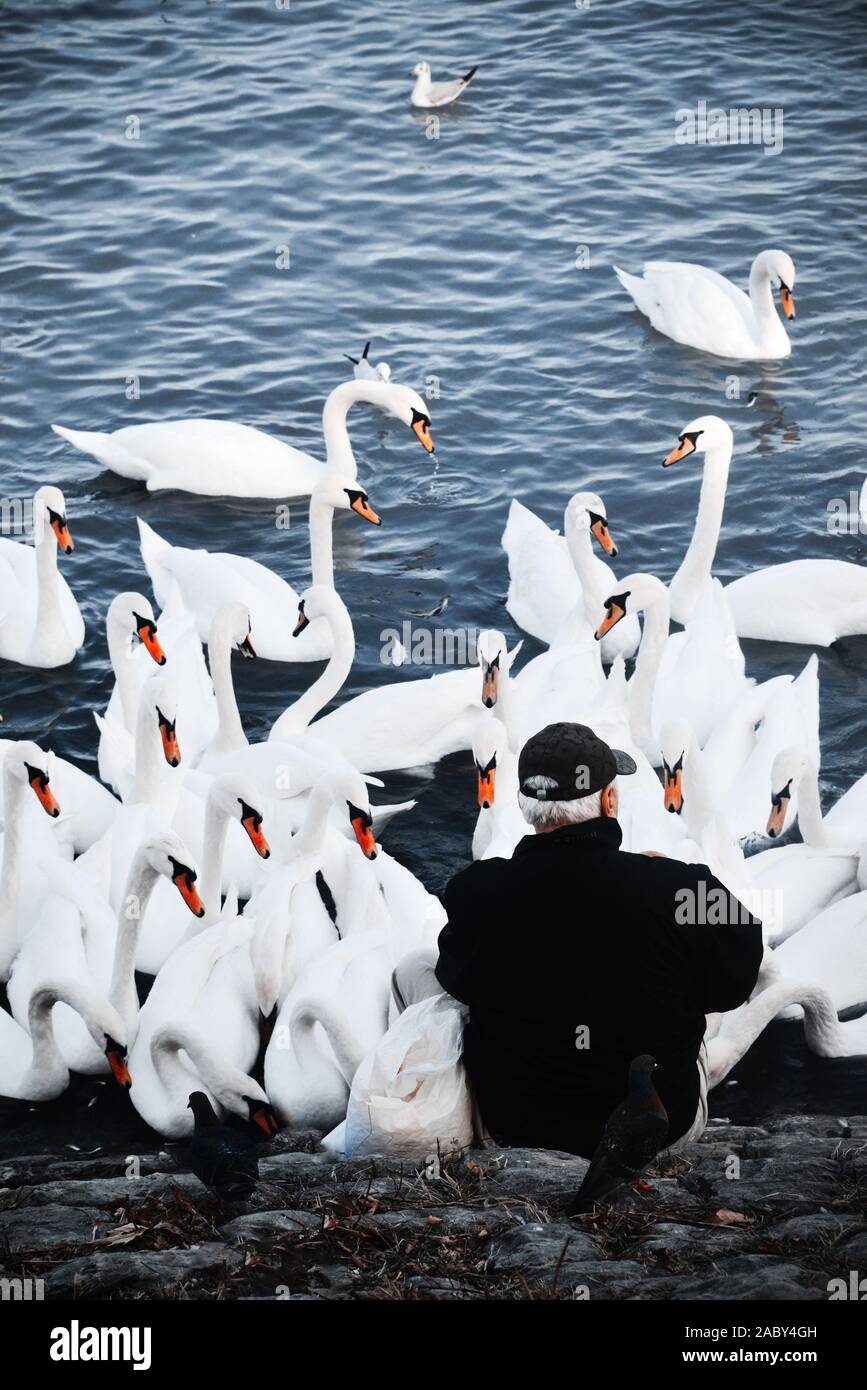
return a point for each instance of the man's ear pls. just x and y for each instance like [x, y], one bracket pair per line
[608, 800]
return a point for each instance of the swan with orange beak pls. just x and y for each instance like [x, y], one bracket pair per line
[40, 621]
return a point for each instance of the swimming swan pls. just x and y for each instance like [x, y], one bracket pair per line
[552, 576]
[40, 621]
[814, 601]
[702, 309]
[219, 458]
[209, 580]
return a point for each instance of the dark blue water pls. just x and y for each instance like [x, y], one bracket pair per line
[263, 127]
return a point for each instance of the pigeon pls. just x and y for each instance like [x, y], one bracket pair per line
[364, 369]
[224, 1159]
[633, 1136]
[427, 94]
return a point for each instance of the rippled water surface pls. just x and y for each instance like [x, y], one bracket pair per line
[154, 260]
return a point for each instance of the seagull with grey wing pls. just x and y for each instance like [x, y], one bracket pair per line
[427, 93]
[634, 1134]
[364, 370]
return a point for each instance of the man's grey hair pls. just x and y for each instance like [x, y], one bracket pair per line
[544, 813]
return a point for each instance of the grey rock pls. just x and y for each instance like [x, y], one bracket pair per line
[111, 1191]
[854, 1248]
[743, 1277]
[102, 1274]
[46, 1227]
[440, 1221]
[539, 1252]
[264, 1227]
[672, 1237]
[815, 1228]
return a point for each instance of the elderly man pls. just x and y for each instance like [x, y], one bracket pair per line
[574, 957]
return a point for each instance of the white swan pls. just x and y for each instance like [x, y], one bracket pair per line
[336, 1012]
[25, 765]
[185, 1060]
[824, 1034]
[550, 576]
[687, 792]
[31, 1064]
[701, 308]
[219, 458]
[831, 951]
[40, 621]
[153, 800]
[693, 675]
[814, 601]
[367, 892]
[798, 881]
[209, 580]
[737, 758]
[130, 626]
[232, 804]
[88, 808]
[230, 630]
[396, 725]
[500, 824]
[79, 937]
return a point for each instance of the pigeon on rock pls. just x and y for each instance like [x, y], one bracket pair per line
[634, 1134]
[223, 1159]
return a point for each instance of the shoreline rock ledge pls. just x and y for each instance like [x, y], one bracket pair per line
[776, 1210]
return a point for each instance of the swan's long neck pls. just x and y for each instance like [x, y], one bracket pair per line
[146, 787]
[580, 548]
[761, 294]
[48, 1070]
[741, 1027]
[216, 830]
[227, 1084]
[338, 449]
[347, 1052]
[49, 618]
[10, 869]
[697, 563]
[311, 836]
[321, 542]
[230, 731]
[120, 651]
[330, 683]
[137, 894]
[698, 807]
[643, 683]
[813, 830]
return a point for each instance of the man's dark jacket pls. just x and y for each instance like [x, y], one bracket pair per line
[572, 933]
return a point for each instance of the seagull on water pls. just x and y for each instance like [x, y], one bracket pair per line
[426, 93]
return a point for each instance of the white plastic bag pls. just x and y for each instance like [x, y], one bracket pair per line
[409, 1095]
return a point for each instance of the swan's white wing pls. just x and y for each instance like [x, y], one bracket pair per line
[207, 457]
[847, 819]
[406, 723]
[831, 952]
[543, 585]
[694, 306]
[208, 581]
[811, 601]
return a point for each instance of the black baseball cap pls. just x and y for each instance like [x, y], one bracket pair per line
[573, 760]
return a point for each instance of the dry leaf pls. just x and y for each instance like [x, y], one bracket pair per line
[724, 1217]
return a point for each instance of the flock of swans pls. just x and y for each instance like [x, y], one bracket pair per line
[248, 879]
